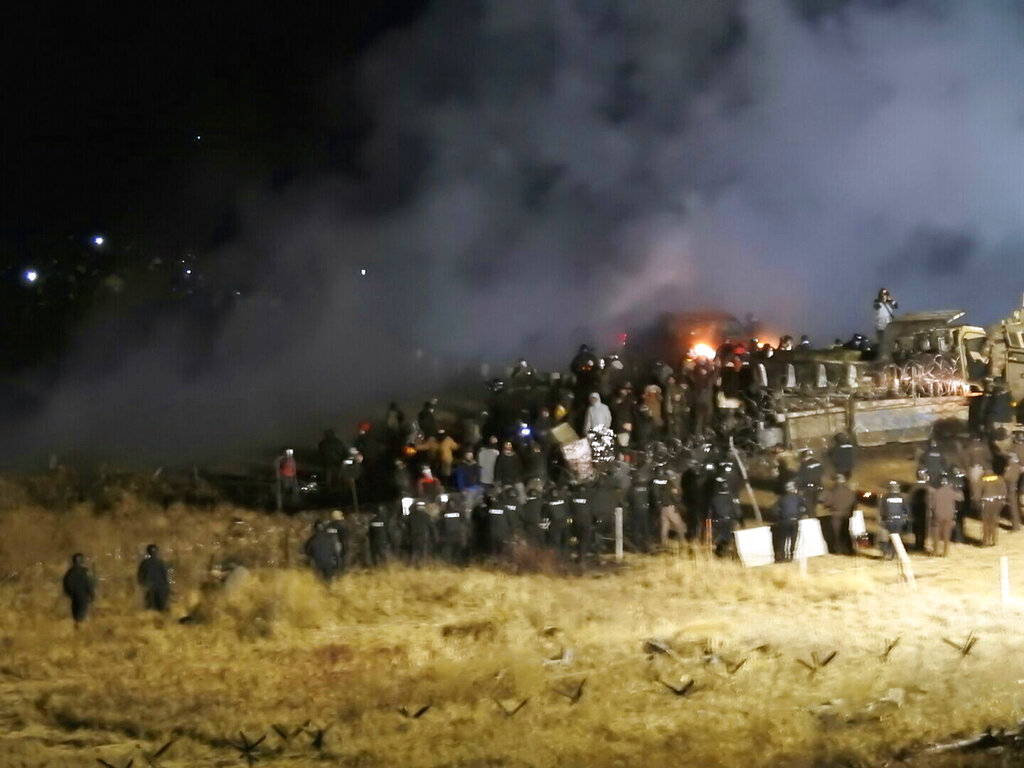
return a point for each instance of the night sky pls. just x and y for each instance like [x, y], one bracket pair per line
[144, 127]
[383, 190]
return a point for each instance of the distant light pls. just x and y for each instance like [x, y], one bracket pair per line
[362, 272]
[31, 275]
[98, 240]
[188, 271]
[199, 138]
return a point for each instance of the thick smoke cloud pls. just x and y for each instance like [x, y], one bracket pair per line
[544, 171]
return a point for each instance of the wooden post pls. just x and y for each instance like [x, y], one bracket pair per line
[355, 496]
[618, 534]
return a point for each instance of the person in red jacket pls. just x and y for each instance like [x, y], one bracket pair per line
[287, 479]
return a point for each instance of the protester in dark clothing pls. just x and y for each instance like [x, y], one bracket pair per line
[788, 511]
[154, 579]
[508, 469]
[402, 479]
[623, 408]
[535, 466]
[323, 551]
[394, 423]
[702, 379]
[427, 419]
[78, 587]
[674, 408]
[542, 427]
[840, 500]
[332, 454]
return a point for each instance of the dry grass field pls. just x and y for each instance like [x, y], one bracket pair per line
[284, 657]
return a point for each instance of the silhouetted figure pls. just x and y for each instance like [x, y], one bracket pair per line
[153, 578]
[78, 586]
[323, 551]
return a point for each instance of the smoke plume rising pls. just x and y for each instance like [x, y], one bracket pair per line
[539, 171]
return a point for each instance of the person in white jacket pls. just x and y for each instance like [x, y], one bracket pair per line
[885, 311]
[597, 415]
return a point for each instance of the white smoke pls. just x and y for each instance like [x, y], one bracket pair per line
[544, 168]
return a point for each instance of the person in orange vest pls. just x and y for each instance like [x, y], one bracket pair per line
[287, 479]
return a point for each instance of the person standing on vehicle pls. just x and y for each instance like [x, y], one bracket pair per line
[487, 457]
[598, 414]
[885, 311]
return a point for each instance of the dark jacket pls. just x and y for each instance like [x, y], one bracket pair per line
[789, 508]
[508, 469]
[78, 584]
[152, 573]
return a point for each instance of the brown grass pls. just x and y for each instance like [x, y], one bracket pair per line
[284, 649]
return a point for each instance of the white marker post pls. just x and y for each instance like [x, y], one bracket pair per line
[1004, 579]
[618, 534]
[905, 569]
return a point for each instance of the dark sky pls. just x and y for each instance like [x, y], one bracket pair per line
[513, 177]
[102, 107]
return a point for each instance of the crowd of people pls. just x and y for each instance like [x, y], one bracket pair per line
[662, 473]
[487, 485]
